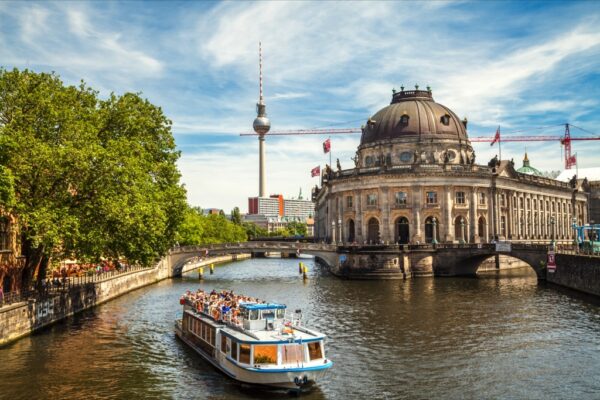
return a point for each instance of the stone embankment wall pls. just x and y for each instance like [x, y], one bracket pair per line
[21, 319]
[578, 272]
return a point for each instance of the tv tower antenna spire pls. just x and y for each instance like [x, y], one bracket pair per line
[261, 126]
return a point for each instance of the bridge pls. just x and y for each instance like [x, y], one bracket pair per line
[377, 261]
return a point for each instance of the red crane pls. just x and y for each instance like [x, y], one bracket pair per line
[565, 140]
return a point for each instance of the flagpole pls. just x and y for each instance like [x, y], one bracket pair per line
[499, 143]
[330, 166]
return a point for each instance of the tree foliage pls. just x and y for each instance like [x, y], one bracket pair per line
[86, 177]
[206, 229]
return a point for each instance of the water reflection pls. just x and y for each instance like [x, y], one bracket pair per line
[495, 336]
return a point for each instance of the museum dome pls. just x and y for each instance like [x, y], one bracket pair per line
[528, 169]
[413, 114]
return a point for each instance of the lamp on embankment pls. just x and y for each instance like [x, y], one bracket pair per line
[434, 228]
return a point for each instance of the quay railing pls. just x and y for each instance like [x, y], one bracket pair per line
[52, 286]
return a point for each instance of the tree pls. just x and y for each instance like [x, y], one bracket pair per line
[90, 178]
[199, 229]
[236, 217]
[296, 228]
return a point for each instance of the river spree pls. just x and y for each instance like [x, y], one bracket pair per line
[495, 336]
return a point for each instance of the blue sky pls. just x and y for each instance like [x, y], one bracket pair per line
[519, 65]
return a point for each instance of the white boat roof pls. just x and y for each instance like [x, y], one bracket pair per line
[304, 335]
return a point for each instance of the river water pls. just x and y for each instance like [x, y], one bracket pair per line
[495, 336]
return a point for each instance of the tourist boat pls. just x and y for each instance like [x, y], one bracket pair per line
[253, 342]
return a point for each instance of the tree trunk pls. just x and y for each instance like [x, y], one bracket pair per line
[42, 270]
[33, 258]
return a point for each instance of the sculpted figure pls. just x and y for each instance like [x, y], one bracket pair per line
[339, 167]
[573, 182]
[436, 156]
[446, 157]
[494, 162]
[416, 156]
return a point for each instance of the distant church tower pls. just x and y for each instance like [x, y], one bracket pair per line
[261, 126]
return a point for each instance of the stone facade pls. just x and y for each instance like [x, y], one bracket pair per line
[415, 180]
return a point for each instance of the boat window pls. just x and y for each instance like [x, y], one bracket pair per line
[268, 314]
[253, 314]
[244, 313]
[292, 353]
[244, 353]
[314, 351]
[234, 349]
[265, 354]
[223, 343]
[280, 313]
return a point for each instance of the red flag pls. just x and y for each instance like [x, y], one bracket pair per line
[326, 146]
[497, 137]
[316, 171]
[572, 161]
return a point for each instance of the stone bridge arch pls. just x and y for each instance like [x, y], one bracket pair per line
[466, 262]
[178, 257]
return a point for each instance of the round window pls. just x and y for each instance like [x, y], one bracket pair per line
[406, 156]
[369, 161]
[451, 155]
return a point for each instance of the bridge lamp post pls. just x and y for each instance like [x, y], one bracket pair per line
[552, 222]
[434, 228]
[341, 238]
[333, 232]
[462, 230]
[576, 236]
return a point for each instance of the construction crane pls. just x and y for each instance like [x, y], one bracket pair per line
[565, 140]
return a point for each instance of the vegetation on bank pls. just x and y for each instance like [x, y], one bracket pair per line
[85, 177]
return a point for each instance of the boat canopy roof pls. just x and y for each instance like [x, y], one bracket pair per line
[262, 306]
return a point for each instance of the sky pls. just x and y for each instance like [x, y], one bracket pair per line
[517, 65]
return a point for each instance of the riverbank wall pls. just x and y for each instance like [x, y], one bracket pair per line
[23, 318]
[578, 272]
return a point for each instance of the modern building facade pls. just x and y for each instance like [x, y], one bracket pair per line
[416, 180]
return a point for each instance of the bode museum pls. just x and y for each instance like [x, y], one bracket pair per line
[416, 180]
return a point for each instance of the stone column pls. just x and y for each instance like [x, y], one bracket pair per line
[385, 215]
[448, 214]
[490, 225]
[416, 206]
[509, 215]
[473, 212]
[358, 224]
[330, 217]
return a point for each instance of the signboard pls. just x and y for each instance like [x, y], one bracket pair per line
[342, 258]
[503, 247]
[551, 265]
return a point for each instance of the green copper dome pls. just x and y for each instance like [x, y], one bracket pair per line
[528, 169]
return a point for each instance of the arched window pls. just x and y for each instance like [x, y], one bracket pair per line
[373, 230]
[431, 229]
[401, 230]
[459, 233]
[351, 230]
[481, 228]
[404, 119]
[445, 119]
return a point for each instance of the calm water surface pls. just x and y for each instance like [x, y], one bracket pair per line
[496, 336]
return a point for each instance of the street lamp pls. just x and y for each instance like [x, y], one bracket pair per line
[462, 230]
[552, 222]
[433, 225]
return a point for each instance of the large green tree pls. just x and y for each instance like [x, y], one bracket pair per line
[85, 177]
[206, 229]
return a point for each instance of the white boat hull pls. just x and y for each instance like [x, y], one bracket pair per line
[290, 378]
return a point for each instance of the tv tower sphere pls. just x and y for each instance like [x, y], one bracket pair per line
[261, 123]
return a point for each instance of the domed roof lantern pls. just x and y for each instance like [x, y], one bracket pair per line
[527, 168]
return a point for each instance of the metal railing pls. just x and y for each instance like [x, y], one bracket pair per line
[52, 286]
